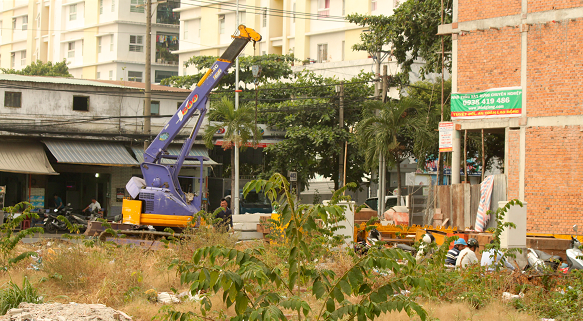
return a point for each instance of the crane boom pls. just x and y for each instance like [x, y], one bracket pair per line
[161, 200]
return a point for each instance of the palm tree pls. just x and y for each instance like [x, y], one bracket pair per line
[393, 133]
[239, 128]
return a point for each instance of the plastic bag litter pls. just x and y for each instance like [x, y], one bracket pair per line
[166, 297]
[507, 296]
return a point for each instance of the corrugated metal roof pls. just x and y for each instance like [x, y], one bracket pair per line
[90, 153]
[175, 150]
[28, 158]
[56, 80]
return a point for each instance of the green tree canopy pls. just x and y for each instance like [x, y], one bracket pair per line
[411, 32]
[39, 68]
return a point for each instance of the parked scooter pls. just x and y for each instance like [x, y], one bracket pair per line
[363, 245]
[51, 224]
[574, 254]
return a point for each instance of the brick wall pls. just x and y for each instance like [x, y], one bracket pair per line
[483, 9]
[513, 170]
[544, 5]
[555, 69]
[488, 59]
[554, 178]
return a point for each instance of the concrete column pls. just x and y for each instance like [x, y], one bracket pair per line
[456, 157]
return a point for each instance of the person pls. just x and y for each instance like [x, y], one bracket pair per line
[467, 256]
[491, 257]
[93, 208]
[225, 216]
[58, 202]
[451, 256]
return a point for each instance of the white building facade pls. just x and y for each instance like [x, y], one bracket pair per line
[315, 31]
[99, 39]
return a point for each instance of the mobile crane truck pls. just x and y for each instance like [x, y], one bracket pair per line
[158, 199]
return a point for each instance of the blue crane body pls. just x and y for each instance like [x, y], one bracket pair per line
[158, 198]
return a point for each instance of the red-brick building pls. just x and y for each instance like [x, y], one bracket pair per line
[537, 46]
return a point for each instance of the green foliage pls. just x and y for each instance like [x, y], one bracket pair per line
[411, 33]
[39, 68]
[258, 291]
[308, 110]
[274, 67]
[9, 238]
[12, 295]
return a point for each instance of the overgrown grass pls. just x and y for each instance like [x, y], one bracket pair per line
[11, 295]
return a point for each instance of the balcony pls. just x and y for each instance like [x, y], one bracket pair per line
[166, 15]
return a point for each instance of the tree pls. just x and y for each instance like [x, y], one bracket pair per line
[39, 68]
[239, 128]
[275, 67]
[393, 134]
[412, 33]
[307, 109]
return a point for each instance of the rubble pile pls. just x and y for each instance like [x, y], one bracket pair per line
[64, 312]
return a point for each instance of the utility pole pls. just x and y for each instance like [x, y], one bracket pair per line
[382, 161]
[340, 90]
[148, 72]
[235, 191]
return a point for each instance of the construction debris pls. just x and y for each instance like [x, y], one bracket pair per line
[64, 312]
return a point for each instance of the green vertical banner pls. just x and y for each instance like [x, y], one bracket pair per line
[492, 103]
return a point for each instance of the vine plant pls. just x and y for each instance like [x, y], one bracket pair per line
[259, 291]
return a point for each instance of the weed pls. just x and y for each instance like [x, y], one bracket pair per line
[13, 295]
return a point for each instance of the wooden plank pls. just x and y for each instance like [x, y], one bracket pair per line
[467, 205]
[457, 206]
[444, 201]
[474, 203]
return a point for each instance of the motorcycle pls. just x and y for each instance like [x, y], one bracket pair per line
[363, 245]
[540, 260]
[51, 223]
[574, 254]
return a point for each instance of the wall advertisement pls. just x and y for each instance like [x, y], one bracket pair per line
[492, 103]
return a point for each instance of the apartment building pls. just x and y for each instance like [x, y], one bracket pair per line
[100, 39]
[315, 31]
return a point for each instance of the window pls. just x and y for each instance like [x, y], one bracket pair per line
[71, 50]
[23, 58]
[111, 75]
[99, 44]
[135, 76]
[98, 76]
[322, 52]
[81, 103]
[137, 6]
[159, 75]
[343, 46]
[264, 17]
[12, 59]
[24, 23]
[221, 24]
[294, 12]
[13, 24]
[373, 5]
[185, 28]
[100, 6]
[72, 12]
[154, 107]
[323, 8]
[111, 44]
[242, 17]
[112, 5]
[178, 104]
[137, 43]
[12, 99]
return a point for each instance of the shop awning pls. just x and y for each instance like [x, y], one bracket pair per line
[175, 150]
[24, 157]
[90, 153]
